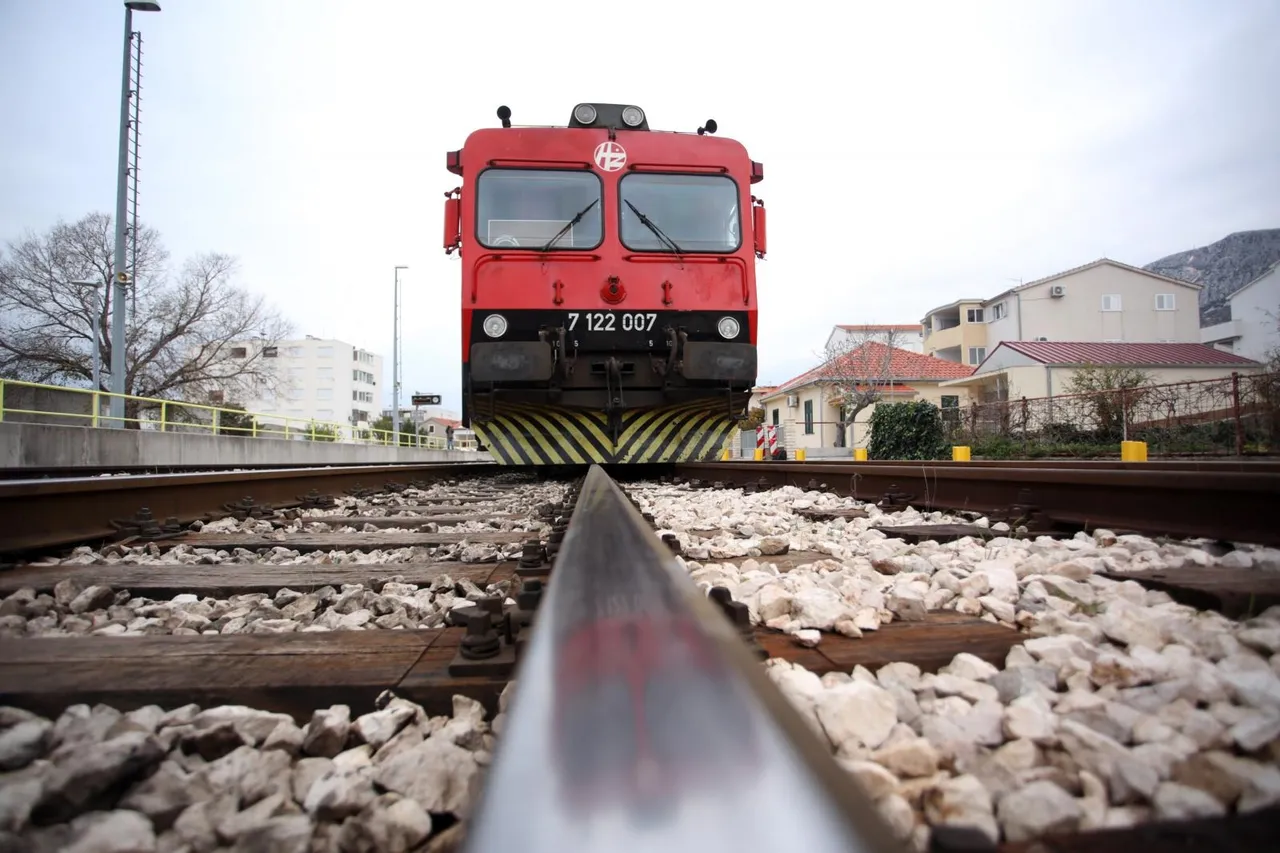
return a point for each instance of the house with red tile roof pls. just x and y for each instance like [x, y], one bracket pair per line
[808, 408]
[1031, 369]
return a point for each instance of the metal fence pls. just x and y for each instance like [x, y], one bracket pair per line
[31, 402]
[1236, 415]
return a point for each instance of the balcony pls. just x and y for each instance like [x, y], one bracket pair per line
[1222, 335]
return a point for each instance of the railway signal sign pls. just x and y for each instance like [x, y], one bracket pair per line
[426, 399]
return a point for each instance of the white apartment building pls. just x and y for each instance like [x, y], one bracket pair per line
[1254, 328]
[1104, 302]
[321, 379]
[907, 336]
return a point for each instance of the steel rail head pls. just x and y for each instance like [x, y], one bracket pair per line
[641, 721]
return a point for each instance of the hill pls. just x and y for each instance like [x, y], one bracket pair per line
[1222, 268]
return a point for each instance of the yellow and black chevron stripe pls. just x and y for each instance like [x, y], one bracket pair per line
[519, 434]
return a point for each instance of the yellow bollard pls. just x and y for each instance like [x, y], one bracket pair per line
[959, 453]
[724, 454]
[859, 454]
[1133, 451]
[799, 454]
[759, 454]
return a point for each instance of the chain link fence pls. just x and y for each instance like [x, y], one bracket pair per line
[1238, 415]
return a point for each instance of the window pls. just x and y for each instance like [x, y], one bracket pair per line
[977, 354]
[808, 417]
[324, 352]
[270, 352]
[1110, 302]
[699, 213]
[975, 315]
[950, 401]
[239, 352]
[999, 311]
[1164, 302]
[526, 208]
[296, 372]
[295, 393]
[324, 414]
[775, 417]
[324, 393]
[362, 376]
[294, 352]
[324, 373]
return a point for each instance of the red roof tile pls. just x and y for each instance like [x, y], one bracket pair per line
[903, 364]
[1174, 355]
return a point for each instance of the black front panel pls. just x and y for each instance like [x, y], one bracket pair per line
[614, 330]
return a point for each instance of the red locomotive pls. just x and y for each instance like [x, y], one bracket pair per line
[608, 287]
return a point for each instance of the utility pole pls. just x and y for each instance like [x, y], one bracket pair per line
[121, 278]
[395, 362]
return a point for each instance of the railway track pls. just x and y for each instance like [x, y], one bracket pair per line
[361, 655]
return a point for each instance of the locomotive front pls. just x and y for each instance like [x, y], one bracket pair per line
[608, 288]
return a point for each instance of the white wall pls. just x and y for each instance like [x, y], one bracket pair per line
[912, 339]
[1256, 312]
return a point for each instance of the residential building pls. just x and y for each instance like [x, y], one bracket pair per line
[808, 407]
[1103, 301]
[956, 332]
[320, 379]
[906, 336]
[1016, 369]
[1254, 328]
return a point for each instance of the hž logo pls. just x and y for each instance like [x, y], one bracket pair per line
[610, 156]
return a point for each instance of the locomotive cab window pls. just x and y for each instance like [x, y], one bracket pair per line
[696, 213]
[535, 209]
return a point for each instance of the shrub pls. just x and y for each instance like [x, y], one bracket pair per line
[907, 431]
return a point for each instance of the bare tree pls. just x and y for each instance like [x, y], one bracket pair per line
[179, 330]
[856, 371]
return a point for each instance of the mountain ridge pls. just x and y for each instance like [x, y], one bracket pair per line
[1222, 268]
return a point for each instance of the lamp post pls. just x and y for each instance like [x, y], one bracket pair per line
[93, 330]
[120, 278]
[395, 361]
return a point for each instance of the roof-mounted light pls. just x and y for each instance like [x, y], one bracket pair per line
[504, 115]
[585, 113]
[632, 116]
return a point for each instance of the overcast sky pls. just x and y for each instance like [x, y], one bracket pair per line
[915, 153]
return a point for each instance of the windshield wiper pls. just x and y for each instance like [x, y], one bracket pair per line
[572, 222]
[648, 223]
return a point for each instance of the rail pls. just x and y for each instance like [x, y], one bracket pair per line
[640, 720]
[85, 407]
[36, 515]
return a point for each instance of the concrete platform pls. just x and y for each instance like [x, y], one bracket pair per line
[44, 446]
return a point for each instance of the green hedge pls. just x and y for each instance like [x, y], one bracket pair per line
[907, 431]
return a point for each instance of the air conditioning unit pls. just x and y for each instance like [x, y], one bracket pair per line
[1058, 290]
[1042, 338]
[793, 401]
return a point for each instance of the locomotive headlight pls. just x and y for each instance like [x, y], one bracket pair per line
[632, 116]
[584, 113]
[495, 325]
[728, 328]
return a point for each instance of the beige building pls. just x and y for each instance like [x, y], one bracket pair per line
[957, 332]
[807, 408]
[1032, 369]
[1104, 301]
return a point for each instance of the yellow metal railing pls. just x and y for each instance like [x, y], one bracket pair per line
[87, 407]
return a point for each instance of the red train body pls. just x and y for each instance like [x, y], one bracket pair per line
[608, 288]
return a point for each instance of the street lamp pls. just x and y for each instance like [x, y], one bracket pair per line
[395, 362]
[119, 277]
[93, 330]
